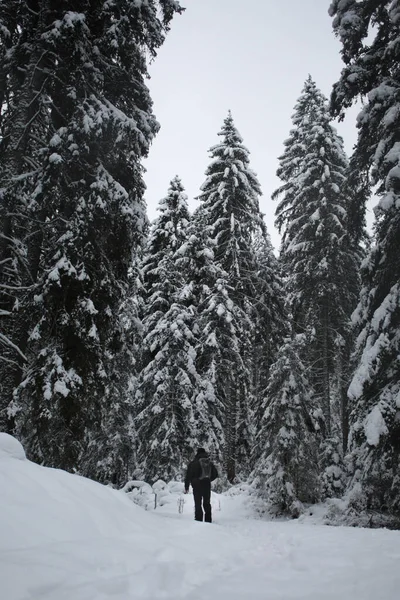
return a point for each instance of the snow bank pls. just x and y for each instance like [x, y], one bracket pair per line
[63, 537]
[10, 447]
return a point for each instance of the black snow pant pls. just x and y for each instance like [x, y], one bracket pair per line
[202, 494]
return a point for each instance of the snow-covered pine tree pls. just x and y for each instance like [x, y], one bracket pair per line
[230, 208]
[224, 372]
[230, 211]
[202, 278]
[160, 280]
[111, 458]
[168, 380]
[291, 160]
[165, 424]
[369, 32]
[168, 232]
[286, 474]
[319, 257]
[23, 125]
[88, 193]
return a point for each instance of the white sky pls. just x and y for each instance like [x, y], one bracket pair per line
[250, 56]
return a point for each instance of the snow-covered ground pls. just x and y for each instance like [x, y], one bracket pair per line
[63, 537]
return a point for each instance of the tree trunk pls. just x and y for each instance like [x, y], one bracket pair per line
[231, 418]
[344, 381]
[326, 378]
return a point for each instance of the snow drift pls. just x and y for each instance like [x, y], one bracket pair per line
[64, 537]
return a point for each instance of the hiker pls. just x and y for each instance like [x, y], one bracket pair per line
[200, 473]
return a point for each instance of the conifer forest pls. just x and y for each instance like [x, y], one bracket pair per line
[126, 344]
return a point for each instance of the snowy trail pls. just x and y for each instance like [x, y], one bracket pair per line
[63, 537]
[286, 559]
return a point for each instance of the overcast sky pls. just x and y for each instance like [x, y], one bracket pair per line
[249, 56]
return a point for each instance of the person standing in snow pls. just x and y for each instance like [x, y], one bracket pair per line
[200, 473]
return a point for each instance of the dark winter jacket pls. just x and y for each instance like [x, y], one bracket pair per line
[194, 471]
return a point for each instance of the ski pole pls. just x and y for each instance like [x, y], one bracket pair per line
[181, 502]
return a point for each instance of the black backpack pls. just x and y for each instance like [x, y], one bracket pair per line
[205, 468]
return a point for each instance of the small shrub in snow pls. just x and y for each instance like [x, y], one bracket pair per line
[140, 493]
[333, 477]
[149, 497]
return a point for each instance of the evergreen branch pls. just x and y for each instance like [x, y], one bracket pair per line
[10, 361]
[5, 286]
[36, 138]
[7, 342]
[32, 163]
[23, 134]
[32, 220]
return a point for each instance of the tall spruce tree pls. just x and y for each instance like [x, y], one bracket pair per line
[230, 212]
[319, 257]
[202, 283]
[168, 233]
[369, 32]
[165, 421]
[24, 122]
[221, 364]
[167, 384]
[77, 120]
[230, 209]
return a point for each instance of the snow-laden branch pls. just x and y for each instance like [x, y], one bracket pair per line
[5, 286]
[5, 260]
[7, 342]
[9, 361]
